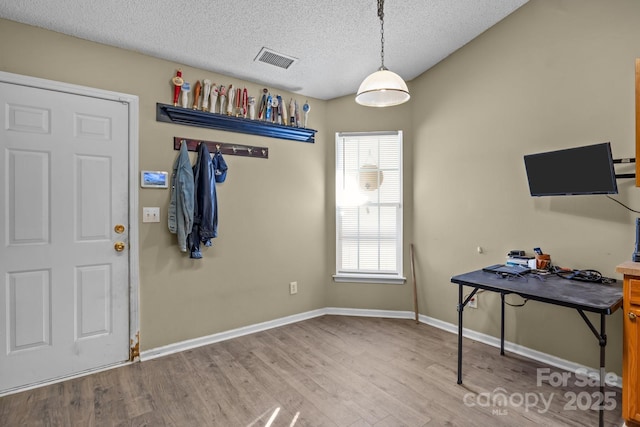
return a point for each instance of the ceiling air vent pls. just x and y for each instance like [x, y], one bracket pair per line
[279, 60]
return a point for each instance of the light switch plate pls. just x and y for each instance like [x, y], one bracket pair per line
[150, 214]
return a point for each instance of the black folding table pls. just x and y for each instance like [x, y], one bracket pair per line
[552, 289]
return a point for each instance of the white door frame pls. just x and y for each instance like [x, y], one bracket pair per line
[132, 102]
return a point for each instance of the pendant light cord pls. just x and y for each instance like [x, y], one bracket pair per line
[381, 16]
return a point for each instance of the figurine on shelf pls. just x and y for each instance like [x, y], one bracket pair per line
[178, 81]
[231, 97]
[305, 109]
[237, 97]
[252, 107]
[214, 98]
[292, 112]
[263, 104]
[237, 105]
[240, 110]
[196, 94]
[245, 102]
[275, 111]
[283, 110]
[223, 98]
[186, 88]
[205, 94]
[267, 114]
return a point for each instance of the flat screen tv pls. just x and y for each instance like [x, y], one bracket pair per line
[574, 171]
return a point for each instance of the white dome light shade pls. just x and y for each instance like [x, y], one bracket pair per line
[383, 88]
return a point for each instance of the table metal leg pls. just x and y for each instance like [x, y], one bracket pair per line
[460, 308]
[602, 340]
[502, 324]
[461, 304]
[603, 343]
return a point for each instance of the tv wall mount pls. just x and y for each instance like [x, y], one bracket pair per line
[623, 161]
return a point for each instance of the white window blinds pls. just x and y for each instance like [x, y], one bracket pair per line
[369, 206]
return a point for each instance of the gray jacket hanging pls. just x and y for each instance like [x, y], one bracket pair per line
[180, 212]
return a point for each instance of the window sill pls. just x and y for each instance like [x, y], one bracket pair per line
[369, 278]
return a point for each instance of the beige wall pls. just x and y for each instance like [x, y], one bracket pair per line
[272, 212]
[555, 74]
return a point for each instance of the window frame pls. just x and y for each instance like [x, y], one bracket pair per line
[362, 275]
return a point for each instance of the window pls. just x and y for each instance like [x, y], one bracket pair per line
[369, 207]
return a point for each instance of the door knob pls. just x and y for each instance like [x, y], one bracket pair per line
[119, 246]
[632, 316]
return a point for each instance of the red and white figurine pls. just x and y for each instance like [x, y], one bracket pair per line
[178, 81]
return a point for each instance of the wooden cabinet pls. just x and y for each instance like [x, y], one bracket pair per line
[631, 351]
[631, 343]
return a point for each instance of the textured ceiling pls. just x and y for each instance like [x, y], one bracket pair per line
[336, 43]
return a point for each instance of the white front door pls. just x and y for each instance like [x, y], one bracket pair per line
[64, 287]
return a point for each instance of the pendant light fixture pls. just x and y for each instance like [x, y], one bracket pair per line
[383, 88]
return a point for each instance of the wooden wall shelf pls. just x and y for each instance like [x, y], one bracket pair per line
[184, 116]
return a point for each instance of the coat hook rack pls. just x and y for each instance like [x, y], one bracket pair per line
[224, 148]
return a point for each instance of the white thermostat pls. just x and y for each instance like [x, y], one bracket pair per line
[154, 179]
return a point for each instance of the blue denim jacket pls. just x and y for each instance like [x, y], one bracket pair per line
[180, 213]
[204, 206]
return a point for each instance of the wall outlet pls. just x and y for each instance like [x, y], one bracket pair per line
[473, 302]
[293, 288]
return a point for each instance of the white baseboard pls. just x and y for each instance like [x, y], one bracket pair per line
[529, 353]
[449, 327]
[246, 330]
[227, 335]
[359, 312]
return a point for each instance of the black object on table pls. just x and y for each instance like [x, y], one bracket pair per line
[551, 289]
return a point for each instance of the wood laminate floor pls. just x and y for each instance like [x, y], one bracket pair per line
[326, 371]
